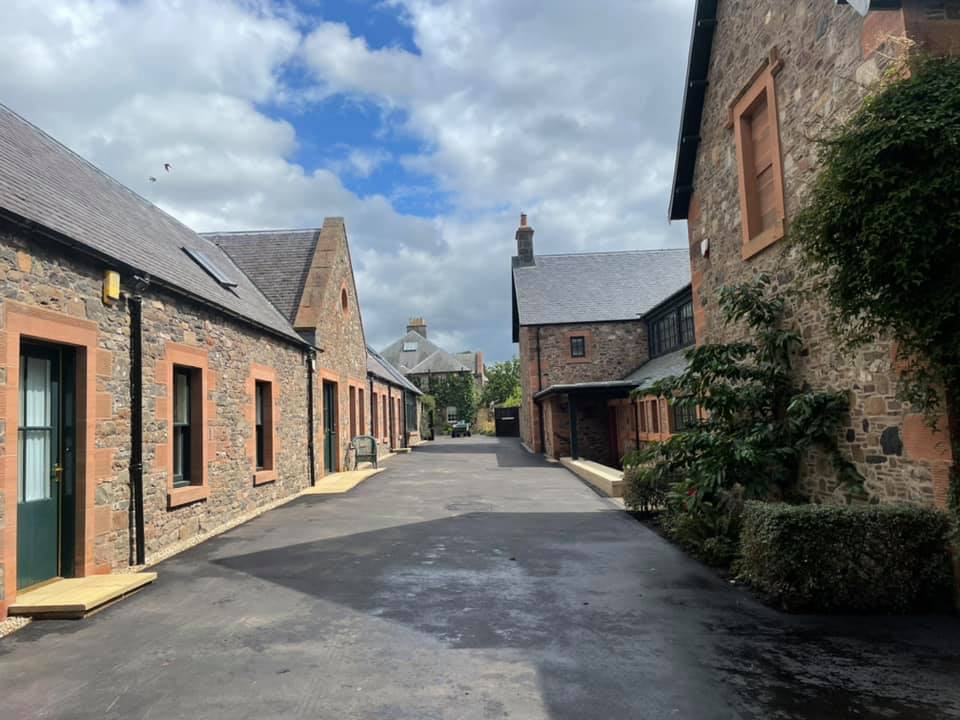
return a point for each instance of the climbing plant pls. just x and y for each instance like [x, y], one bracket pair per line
[755, 425]
[456, 390]
[881, 226]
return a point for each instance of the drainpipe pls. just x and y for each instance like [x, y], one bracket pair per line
[543, 438]
[311, 449]
[136, 416]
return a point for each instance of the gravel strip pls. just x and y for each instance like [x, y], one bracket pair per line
[12, 624]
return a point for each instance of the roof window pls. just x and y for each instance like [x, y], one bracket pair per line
[410, 346]
[201, 259]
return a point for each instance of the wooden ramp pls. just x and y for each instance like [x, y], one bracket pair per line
[341, 482]
[78, 597]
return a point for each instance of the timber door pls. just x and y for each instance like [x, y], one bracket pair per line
[330, 443]
[46, 435]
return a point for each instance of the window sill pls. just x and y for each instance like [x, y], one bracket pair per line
[186, 495]
[579, 360]
[762, 241]
[262, 477]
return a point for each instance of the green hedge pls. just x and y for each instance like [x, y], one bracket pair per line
[847, 558]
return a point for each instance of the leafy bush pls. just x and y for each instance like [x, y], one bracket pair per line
[755, 425]
[842, 557]
[643, 490]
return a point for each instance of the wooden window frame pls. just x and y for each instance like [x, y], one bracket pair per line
[195, 360]
[265, 377]
[762, 86]
[582, 341]
[587, 336]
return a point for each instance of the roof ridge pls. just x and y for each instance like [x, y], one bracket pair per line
[268, 231]
[612, 252]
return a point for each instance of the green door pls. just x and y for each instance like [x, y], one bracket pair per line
[329, 426]
[45, 445]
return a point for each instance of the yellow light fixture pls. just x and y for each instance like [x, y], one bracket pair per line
[111, 287]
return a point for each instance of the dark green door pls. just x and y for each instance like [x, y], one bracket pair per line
[329, 426]
[45, 462]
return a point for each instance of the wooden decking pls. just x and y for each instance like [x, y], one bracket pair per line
[78, 597]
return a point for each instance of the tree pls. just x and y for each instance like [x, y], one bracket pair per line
[456, 390]
[503, 380]
[881, 225]
[755, 425]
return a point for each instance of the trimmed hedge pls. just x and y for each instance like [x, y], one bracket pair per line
[847, 558]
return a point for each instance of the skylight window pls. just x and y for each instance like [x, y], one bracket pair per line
[410, 347]
[201, 259]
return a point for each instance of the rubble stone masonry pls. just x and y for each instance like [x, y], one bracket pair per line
[613, 350]
[52, 288]
[830, 57]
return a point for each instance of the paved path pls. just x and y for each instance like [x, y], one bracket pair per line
[468, 581]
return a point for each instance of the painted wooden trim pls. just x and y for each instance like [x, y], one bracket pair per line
[48, 326]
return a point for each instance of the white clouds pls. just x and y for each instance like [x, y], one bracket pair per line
[562, 109]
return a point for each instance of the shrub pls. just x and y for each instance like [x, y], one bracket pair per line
[839, 557]
[643, 490]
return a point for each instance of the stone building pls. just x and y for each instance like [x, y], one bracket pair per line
[153, 389]
[591, 328]
[395, 404]
[763, 79]
[424, 362]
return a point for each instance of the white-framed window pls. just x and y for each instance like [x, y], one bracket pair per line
[451, 414]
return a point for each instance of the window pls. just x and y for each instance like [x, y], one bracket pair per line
[353, 412]
[684, 417]
[344, 304]
[757, 135]
[410, 346]
[451, 414]
[672, 330]
[374, 415]
[263, 415]
[642, 411]
[386, 415]
[578, 346]
[203, 260]
[363, 415]
[654, 416]
[184, 427]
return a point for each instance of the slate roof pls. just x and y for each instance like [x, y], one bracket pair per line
[379, 367]
[426, 357]
[276, 260]
[672, 363]
[46, 183]
[439, 362]
[597, 287]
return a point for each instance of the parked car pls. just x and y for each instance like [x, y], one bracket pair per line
[460, 428]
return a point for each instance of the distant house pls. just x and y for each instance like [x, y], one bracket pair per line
[592, 328]
[424, 362]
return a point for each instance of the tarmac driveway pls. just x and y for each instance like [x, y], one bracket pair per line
[469, 580]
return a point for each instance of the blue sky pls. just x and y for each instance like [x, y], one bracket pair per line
[428, 124]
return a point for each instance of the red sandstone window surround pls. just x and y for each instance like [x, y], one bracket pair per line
[756, 127]
[185, 453]
[579, 346]
[263, 414]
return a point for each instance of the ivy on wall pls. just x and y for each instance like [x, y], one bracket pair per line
[881, 227]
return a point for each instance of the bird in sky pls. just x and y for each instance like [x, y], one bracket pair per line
[167, 166]
[152, 178]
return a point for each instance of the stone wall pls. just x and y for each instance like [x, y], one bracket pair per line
[830, 57]
[613, 350]
[38, 282]
[231, 349]
[329, 307]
